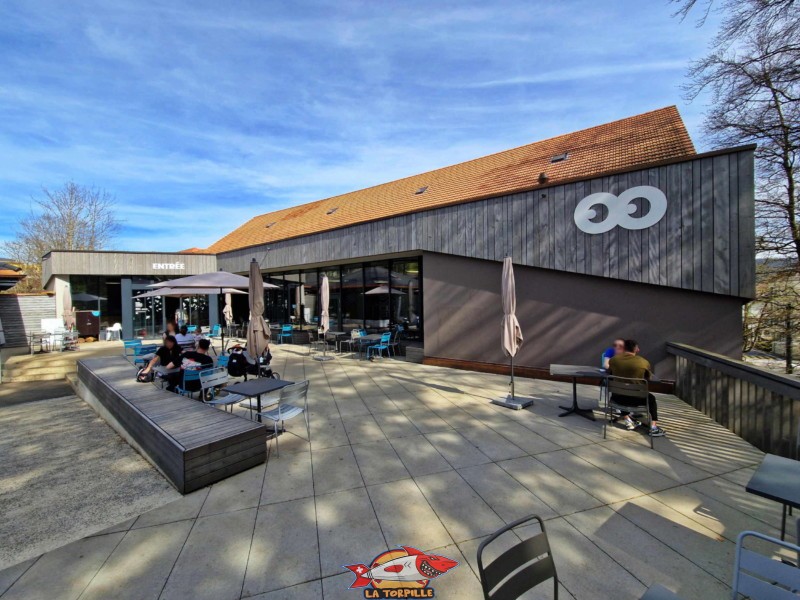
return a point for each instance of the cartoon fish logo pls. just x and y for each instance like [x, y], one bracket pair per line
[415, 567]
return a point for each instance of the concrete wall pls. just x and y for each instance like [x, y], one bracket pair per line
[567, 318]
[23, 314]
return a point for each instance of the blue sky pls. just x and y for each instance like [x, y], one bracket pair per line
[200, 115]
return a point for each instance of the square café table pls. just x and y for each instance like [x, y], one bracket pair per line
[574, 372]
[777, 478]
[255, 388]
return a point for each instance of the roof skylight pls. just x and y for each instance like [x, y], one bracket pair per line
[559, 157]
[421, 190]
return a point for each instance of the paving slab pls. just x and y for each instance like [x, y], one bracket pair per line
[396, 425]
[456, 449]
[379, 463]
[295, 559]
[10, 575]
[558, 492]
[348, 530]
[524, 438]
[288, 477]
[303, 591]
[426, 420]
[64, 573]
[140, 564]
[634, 547]
[491, 443]
[623, 468]
[419, 456]
[362, 429]
[243, 490]
[187, 507]
[335, 469]
[461, 510]
[327, 433]
[504, 494]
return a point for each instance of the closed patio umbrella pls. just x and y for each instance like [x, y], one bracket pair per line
[510, 331]
[227, 312]
[69, 310]
[324, 319]
[257, 329]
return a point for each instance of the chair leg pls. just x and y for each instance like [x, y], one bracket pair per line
[277, 450]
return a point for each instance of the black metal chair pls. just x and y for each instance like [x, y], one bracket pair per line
[520, 568]
[633, 389]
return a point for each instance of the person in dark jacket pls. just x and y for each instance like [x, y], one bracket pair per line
[167, 354]
[190, 360]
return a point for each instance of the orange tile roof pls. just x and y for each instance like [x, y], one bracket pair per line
[643, 139]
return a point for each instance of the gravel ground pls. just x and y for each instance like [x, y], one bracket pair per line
[66, 474]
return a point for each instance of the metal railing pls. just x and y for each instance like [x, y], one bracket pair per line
[760, 406]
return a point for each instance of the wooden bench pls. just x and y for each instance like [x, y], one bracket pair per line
[191, 443]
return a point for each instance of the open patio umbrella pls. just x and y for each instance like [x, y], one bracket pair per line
[510, 332]
[219, 281]
[324, 319]
[383, 290]
[257, 329]
[88, 298]
[69, 310]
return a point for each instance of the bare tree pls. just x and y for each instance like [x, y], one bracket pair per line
[73, 217]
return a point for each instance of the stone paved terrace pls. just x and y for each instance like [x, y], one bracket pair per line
[405, 454]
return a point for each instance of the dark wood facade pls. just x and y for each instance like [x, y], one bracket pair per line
[705, 242]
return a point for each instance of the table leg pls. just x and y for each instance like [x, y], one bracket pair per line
[258, 404]
[586, 413]
[783, 524]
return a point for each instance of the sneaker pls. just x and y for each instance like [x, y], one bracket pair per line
[630, 424]
[657, 432]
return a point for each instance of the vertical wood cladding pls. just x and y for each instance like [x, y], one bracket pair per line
[704, 242]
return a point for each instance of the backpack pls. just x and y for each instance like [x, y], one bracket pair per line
[143, 377]
[237, 365]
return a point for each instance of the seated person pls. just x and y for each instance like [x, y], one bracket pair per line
[172, 329]
[198, 334]
[183, 336]
[169, 353]
[632, 366]
[190, 360]
[615, 349]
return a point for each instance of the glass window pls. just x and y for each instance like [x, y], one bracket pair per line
[98, 293]
[377, 294]
[407, 297]
[275, 305]
[352, 297]
[310, 297]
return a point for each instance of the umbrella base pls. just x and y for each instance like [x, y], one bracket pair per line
[324, 357]
[513, 402]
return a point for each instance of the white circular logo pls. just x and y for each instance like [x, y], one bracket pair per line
[620, 209]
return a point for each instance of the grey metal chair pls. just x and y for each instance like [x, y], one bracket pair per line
[757, 575]
[635, 389]
[519, 569]
[318, 343]
[210, 380]
[287, 408]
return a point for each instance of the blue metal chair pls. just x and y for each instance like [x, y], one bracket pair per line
[222, 361]
[216, 331]
[296, 393]
[142, 353]
[394, 345]
[191, 328]
[190, 375]
[386, 339]
[286, 331]
[129, 348]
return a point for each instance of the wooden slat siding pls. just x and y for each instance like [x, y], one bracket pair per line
[22, 315]
[620, 239]
[722, 279]
[707, 223]
[733, 219]
[678, 252]
[192, 443]
[760, 406]
[686, 228]
[746, 229]
[652, 234]
[674, 255]
[126, 263]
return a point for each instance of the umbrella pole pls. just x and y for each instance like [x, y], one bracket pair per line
[512, 377]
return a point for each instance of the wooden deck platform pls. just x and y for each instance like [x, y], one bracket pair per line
[191, 443]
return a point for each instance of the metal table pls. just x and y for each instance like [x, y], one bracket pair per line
[576, 371]
[777, 478]
[255, 388]
[336, 335]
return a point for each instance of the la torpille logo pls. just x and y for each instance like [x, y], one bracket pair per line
[402, 573]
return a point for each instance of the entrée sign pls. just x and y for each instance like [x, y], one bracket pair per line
[169, 266]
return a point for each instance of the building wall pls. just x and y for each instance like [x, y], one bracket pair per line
[21, 315]
[567, 318]
[704, 242]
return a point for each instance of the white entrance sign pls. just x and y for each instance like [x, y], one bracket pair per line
[169, 266]
[620, 209]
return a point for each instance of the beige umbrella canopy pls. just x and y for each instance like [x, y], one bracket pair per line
[69, 310]
[510, 331]
[324, 319]
[257, 330]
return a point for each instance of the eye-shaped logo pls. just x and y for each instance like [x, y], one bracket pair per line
[620, 209]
